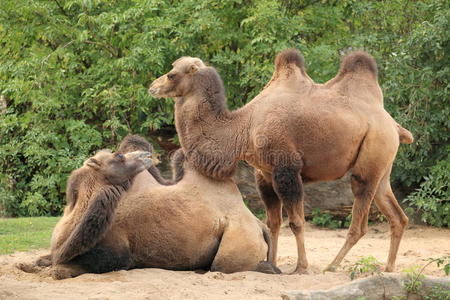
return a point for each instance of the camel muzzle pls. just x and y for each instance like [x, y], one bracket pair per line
[143, 156]
[153, 91]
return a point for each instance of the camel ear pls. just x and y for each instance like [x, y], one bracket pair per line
[93, 163]
[192, 69]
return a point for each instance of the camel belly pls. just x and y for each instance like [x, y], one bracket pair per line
[171, 233]
[175, 252]
[326, 142]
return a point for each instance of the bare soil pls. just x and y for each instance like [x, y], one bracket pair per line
[419, 243]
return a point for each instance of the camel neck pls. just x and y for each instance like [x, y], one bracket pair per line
[207, 123]
[207, 128]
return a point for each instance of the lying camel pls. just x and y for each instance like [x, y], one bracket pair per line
[199, 223]
[294, 131]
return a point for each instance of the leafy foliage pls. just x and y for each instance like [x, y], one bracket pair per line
[364, 266]
[432, 199]
[74, 75]
[415, 276]
[327, 220]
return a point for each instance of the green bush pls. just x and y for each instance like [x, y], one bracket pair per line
[75, 73]
[432, 199]
[327, 220]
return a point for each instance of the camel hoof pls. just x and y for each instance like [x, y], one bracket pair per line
[389, 269]
[44, 261]
[300, 271]
[330, 268]
[27, 268]
[268, 268]
[60, 274]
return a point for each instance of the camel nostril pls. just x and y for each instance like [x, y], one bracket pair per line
[153, 91]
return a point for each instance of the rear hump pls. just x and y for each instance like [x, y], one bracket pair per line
[358, 61]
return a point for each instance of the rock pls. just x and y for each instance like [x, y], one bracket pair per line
[330, 196]
[383, 286]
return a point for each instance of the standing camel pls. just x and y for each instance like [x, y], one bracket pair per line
[295, 131]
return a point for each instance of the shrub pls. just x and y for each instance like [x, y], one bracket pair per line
[74, 74]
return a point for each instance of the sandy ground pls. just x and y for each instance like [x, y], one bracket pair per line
[322, 245]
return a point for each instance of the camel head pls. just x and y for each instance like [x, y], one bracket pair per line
[133, 142]
[118, 168]
[177, 82]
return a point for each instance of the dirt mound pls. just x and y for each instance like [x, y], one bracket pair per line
[322, 245]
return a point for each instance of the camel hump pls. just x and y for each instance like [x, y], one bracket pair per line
[404, 135]
[358, 61]
[288, 57]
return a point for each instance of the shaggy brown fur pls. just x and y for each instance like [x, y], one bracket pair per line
[193, 224]
[99, 184]
[295, 130]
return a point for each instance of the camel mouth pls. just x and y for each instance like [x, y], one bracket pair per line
[154, 92]
[146, 159]
[143, 156]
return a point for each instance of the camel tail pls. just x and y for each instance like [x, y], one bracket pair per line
[92, 226]
[358, 61]
[405, 136]
[288, 57]
[268, 241]
[177, 164]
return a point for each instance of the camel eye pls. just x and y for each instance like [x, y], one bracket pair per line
[120, 156]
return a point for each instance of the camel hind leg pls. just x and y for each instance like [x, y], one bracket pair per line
[370, 167]
[364, 192]
[273, 209]
[387, 203]
[241, 248]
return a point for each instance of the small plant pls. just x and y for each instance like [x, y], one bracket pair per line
[327, 220]
[444, 260]
[415, 276]
[437, 293]
[365, 265]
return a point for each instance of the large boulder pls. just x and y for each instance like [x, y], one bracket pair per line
[383, 286]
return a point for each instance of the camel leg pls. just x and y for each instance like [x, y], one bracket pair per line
[367, 173]
[111, 254]
[273, 209]
[287, 184]
[44, 261]
[364, 191]
[242, 248]
[105, 258]
[64, 271]
[37, 266]
[388, 205]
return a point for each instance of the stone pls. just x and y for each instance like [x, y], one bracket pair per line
[383, 286]
[330, 196]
